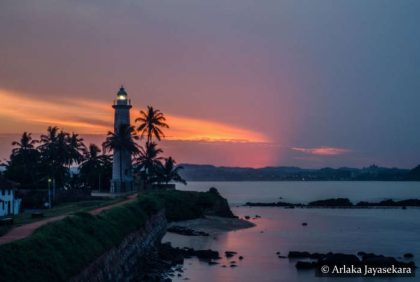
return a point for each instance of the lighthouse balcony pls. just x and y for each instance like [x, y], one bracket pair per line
[122, 102]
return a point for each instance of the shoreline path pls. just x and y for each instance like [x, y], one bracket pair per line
[26, 230]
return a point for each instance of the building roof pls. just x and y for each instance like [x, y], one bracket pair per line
[7, 184]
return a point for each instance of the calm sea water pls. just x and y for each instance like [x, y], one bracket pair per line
[390, 232]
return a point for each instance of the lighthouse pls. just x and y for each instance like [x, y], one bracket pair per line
[122, 175]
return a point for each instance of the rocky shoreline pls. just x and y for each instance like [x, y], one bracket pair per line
[340, 203]
[340, 260]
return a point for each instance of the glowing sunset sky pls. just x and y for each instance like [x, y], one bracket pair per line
[249, 83]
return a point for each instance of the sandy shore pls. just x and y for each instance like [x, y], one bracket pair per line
[214, 224]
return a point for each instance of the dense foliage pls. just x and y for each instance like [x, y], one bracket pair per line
[40, 164]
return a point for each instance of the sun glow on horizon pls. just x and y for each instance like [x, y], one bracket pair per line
[96, 117]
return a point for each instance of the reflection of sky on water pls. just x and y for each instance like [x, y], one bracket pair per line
[390, 232]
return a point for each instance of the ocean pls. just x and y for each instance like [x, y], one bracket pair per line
[391, 232]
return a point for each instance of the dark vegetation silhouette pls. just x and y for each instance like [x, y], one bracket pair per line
[62, 159]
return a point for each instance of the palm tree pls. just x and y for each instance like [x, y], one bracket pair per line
[122, 140]
[23, 166]
[169, 171]
[148, 160]
[151, 124]
[76, 148]
[25, 144]
[94, 165]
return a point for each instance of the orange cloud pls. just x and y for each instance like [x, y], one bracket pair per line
[322, 151]
[89, 116]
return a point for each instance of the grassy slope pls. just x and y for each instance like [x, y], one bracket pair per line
[62, 209]
[60, 250]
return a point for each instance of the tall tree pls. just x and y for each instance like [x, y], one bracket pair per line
[122, 140]
[148, 160]
[169, 171]
[94, 168]
[55, 154]
[23, 166]
[151, 124]
[76, 149]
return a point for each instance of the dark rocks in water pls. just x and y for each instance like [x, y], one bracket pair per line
[391, 203]
[241, 257]
[212, 262]
[339, 259]
[230, 254]
[186, 231]
[257, 216]
[297, 254]
[408, 255]
[277, 253]
[232, 262]
[247, 217]
[281, 257]
[305, 265]
[274, 204]
[338, 202]
[177, 255]
[233, 265]
[304, 224]
[203, 254]
[172, 255]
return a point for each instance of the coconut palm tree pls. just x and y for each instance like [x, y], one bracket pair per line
[151, 123]
[55, 154]
[25, 144]
[76, 149]
[122, 140]
[148, 160]
[23, 166]
[169, 171]
[93, 168]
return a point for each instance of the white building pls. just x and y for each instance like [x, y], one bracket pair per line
[9, 205]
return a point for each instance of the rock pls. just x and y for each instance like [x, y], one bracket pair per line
[277, 253]
[305, 265]
[210, 262]
[233, 262]
[281, 257]
[304, 224]
[296, 254]
[247, 217]
[233, 265]
[339, 259]
[339, 202]
[257, 216]
[408, 255]
[230, 254]
[241, 257]
[186, 231]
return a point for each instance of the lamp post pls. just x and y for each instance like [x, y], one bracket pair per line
[49, 193]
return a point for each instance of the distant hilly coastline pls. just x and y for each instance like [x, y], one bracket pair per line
[196, 172]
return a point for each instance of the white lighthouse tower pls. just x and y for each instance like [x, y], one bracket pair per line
[122, 175]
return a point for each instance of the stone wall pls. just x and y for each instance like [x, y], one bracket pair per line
[123, 262]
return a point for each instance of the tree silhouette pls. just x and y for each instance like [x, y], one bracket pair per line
[169, 171]
[122, 140]
[151, 123]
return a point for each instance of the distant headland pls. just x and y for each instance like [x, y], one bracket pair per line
[195, 172]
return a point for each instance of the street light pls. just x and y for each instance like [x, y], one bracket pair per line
[49, 192]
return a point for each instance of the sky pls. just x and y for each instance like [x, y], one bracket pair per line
[242, 83]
